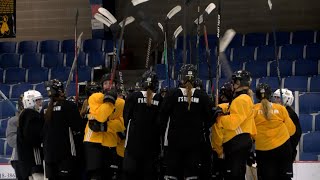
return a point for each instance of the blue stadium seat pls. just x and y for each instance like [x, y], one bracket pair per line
[8, 47]
[1, 75]
[82, 59]
[273, 82]
[165, 83]
[2, 142]
[67, 46]
[311, 142]
[296, 83]
[306, 68]
[243, 54]
[221, 82]
[31, 60]
[257, 69]
[285, 68]
[255, 39]
[84, 74]
[179, 56]
[96, 59]
[203, 71]
[108, 46]
[4, 123]
[92, 45]
[212, 41]
[37, 75]
[309, 103]
[51, 60]
[9, 60]
[60, 73]
[50, 46]
[161, 71]
[281, 37]
[291, 52]
[28, 47]
[253, 84]
[18, 89]
[265, 53]
[308, 156]
[5, 88]
[6, 110]
[71, 91]
[236, 41]
[306, 122]
[313, 51]
[303, 37]
[315, 84]
[317, 122]
[227, 68]
[14, 75]
[42, 89]
[8, 149]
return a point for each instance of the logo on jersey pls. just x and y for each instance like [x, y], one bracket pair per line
[57, 108]
[144, 101]
[185, 99]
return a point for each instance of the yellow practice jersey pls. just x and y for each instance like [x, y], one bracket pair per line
[115, 124]
[217, 133]
[240, 118]
[274, 132]
[120, 148]
[99, 111]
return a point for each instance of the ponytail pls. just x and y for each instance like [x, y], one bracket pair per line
[189, 86]
[266, 108]
[149, 97]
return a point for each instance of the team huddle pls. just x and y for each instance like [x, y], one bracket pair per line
[152, 134]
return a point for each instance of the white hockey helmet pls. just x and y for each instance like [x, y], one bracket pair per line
[287, 96]
[30, 97]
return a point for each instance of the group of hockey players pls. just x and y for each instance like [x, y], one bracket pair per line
[153, 134]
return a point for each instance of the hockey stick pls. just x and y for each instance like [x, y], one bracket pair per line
[77, 45]
[218, 56]
[275, 48]
[6, 99]
[174, 41]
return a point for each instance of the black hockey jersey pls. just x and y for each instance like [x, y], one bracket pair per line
[29, 141]
[62, 134]
[186, 127]
[141, 122]
[295, 138]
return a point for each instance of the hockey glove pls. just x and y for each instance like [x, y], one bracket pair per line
[216, 111]
[110, 96]
[97, 126]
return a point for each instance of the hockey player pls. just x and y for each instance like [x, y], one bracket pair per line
[11, 135]
[274, 128]
[287, 102]
[217, 138]
[189, 110]
[101, 132]
[61, 134]
[238, 127]
[29, 136]
[143, 139]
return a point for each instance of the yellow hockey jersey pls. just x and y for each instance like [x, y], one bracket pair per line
[274, 132]
[240, 119]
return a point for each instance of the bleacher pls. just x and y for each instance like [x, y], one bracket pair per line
[298, 54]
[27, 64]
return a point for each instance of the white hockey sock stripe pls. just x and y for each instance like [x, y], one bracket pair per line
[73, 149]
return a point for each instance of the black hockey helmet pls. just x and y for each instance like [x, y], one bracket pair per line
[198, 83]
[149, 80]
[188, 73]
[54, 88]
[263, 91]
[92, 87]
[243, 76]
[226, 90]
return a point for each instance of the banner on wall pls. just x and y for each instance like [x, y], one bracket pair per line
[7, 18]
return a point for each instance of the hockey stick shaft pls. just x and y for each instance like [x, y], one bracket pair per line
[218, 55]
[148, 53]
[6, 99]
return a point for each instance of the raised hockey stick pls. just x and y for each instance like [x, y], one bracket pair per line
[174, 42]
[77, 48]
[275, 48]
[6, 99]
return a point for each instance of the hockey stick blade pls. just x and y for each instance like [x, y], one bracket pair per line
[210, 8]
[227, 38]
[6, 99]
[177, 32]
[200, 20]
[107, 14]
[173, 12]
[137, 2]
[102, 19]
[160, 26]
[128, 20]
[270, 4]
